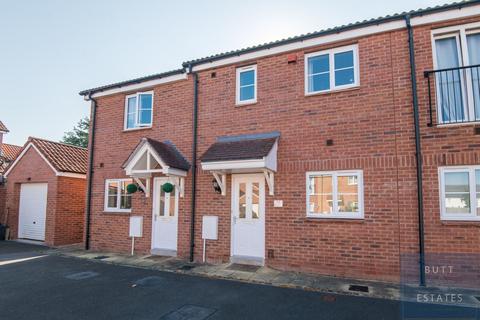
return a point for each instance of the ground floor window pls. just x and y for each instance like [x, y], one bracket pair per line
[117, 199]
[335, 194]
[460, 193]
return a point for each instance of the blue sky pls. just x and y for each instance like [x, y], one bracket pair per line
[50, 50]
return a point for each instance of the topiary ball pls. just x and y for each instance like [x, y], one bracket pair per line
[167, 187]
[132, 188]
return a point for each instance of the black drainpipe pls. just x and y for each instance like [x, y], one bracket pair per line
[418, 151]
[90, 170]
[194, 161]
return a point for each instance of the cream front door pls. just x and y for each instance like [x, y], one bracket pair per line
[248, 218]
[165, 219]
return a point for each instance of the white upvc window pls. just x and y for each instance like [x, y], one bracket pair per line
[335, 194]
[460, 193]
[457, 88]
[138, 110]
[117, 199]
[330, 70]
[246, 87]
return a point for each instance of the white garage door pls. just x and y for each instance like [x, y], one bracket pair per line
[32, 211]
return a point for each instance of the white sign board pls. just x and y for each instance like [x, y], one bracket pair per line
[136, 226]
[210, 228]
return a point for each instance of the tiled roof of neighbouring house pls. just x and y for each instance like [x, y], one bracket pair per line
[63, 157]
[10, 151]
[273, 44]
[240, 148]
[3, 127]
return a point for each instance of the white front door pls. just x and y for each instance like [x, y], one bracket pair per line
[248, 218]
[165, 219]
[32, 211]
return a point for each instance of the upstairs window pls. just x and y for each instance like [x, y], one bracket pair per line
[335, 194]
[460, 193]
[456, 52]
[138, 110]
[246, 85]
[330, 70]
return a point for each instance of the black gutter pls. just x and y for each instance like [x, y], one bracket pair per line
[90, 170]
[194, 163]
[418, 151]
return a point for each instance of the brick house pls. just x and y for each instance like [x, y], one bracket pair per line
[46, 188]
[8, 153]
[304, 149]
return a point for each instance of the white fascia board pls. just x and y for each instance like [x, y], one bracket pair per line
[234, 164]
[320, 40]
[141, 85]
[30, 145]
[72, 175]
[345, 35]
[174, 172]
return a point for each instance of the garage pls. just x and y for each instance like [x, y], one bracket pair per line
[46, 188]
[32, 211]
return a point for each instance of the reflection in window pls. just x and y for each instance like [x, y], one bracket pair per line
[242, 201]
[255, 200]
[117, 197]
[457, 192]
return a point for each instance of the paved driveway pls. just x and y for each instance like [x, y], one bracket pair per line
[53, 287]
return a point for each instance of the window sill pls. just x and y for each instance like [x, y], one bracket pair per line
[460, 124]
[137, 129]
[116, 212]
[336, 218]
[321, 93]
[247, 103]
[458, 221]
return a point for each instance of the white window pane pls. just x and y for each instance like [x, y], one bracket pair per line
[457, 203]
[132, 105]
[344, 60]
[126, 198]
[320, 198]
[255, 200]
[447, 53]
[145, 117]
[112, 194]
[162, 203]
[247, 78]
[131, 120]
[145, 102]
[171, 208]
[318, 64]
[347, 194]
[473, 41]
[319, 82]
[112, 201]
[344, 77]
[457, 182]
[242, 200]
[247, 93]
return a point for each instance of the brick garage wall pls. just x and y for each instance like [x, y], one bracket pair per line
[31, 169]
[172, 120]
[70, 212]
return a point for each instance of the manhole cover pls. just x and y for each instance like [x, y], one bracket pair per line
[152, 281]
[81, 275]
[100, 257]
[243, 267]
[189, 312]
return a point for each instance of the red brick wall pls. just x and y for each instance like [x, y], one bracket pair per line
[372, 129]
[65, 200]
[3, 199]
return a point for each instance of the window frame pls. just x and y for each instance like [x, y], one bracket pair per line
[239, 71]
[331, 60]
[360, 215]
[137, 126]
[460, 32]
[472, 216]
[106, 208]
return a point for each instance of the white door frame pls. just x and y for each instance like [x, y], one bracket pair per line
[246, 259]
[157, 181]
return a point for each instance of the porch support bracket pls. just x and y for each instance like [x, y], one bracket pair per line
[221, 179]
[269, 177]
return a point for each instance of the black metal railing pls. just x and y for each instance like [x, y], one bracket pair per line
[455, 92]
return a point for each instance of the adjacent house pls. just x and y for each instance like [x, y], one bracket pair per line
[46, 187]
[352, 151]
[8, 153]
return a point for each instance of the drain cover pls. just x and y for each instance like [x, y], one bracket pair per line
[358, 288]
[101, 257]
[189, 312]
[186, 267]
[81, 275]
[150, 281]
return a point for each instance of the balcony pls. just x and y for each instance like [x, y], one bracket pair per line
[454, 95]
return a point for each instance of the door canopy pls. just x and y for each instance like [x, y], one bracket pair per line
[254, 153]
[155, 157]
